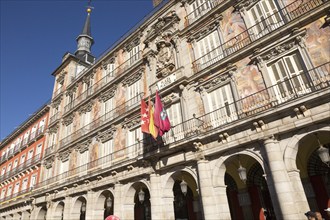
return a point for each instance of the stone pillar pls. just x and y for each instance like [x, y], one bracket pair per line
[67, 207]
[25, 215]
[118, 200]
[209, 205]
[222, 202]
[300, 196]
[279, 184]
[155, 200]
[90, 205]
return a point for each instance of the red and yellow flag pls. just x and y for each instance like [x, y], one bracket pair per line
[144, 117]
[152, 128]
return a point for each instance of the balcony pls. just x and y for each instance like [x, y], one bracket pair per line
[54, 118]
[115, 113]
[57, 93]
[102, 83]
[202, 10]
[18, 195]
[20, 168]
[258, 31]
[50, 150]
[40, 131]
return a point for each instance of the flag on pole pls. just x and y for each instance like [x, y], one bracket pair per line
[144, 117]
[152, 128]
[161, 119]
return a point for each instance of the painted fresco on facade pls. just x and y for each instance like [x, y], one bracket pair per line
[119, 143]
[232, 24]
[120, 100]
[317, 41]
[249, 81]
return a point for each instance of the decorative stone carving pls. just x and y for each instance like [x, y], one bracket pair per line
[128, 47]
[104, 64]
[245, 4]
[165, 55]
[259, 125]
[87, 78]
[199, 153]
[131, 123]
[86, 108]
[204, 31]
[64, 156]
[224, 137]
[68, 120]
[60, 78]
[170, 98]
[106, 135]
[209, 84]
[129, 80]
[48, 163]
[57, 102]
[104, 96]
[164, 23]
[84, 146]
[70, 92]
[53, 129]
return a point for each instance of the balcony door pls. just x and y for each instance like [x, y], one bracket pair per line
[288, 77]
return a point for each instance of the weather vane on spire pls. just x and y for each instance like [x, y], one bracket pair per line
[89, 7]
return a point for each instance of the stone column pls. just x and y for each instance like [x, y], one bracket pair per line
[209, 205]
[300, 196]
[67, 207]
[155, 200]
[25, 215]
[278, 182]
[118, 200]
[90, 205]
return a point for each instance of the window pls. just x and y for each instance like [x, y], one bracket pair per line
[264, 17]
[108, 107]
[3, 170]
[64, 166]
[134, 55]
[33, 131]
[16, 188]
[108, 71]
[3, 193]
[220, 105]
[24, 184]
[15, 163]
[106, 148]
[85, 119]
[9, 191]
[22, 160]
[83, 158]
[67, 130]
[132, 95]
[33, 181]
[38, 152]
[200, 8]
[41, 126]
[134, 137]
[48, 173]
[208, 50]
[9, 167]
[288, 77]
[30, 155]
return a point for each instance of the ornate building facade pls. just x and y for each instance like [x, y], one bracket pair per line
[246, 88]
[21, 155]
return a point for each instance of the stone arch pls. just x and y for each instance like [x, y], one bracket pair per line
[58, 210]
[76, 207]
[129, 196]
[219, 170]
[100, 199]
[41, 213]
[291, 149]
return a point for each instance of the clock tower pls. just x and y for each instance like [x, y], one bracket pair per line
[85, 41]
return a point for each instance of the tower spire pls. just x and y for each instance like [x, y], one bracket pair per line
[85, 39]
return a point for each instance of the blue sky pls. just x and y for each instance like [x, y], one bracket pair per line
[35, 35]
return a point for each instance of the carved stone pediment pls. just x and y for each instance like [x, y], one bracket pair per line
[170, 98]
[64, 156]
[195, 36]
[87, 78]
[53, 129]
[86, 108]
[48, 163]
[106, 135]
[55, 103]
[271, 52]
[84, 146]
[129, 80]
[131, 123]
[104, 96]
[133, 43]
[60, 78]
[104, 64]
[165, 55]
[68, 120]
[72, 90]
[245, 4]
[162, 24]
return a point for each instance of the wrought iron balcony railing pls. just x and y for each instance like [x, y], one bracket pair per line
[259, 30]
[116, 112]
[54, 118]
[17, 195]
[96, 87]
[57, 92]
[202, 10]
[49, 150]
[21, 167]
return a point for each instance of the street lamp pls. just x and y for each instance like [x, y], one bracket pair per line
[83, 207]
[322, 152]
[184, 187]
[242, 172]
[141, 196]
[108, 202]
